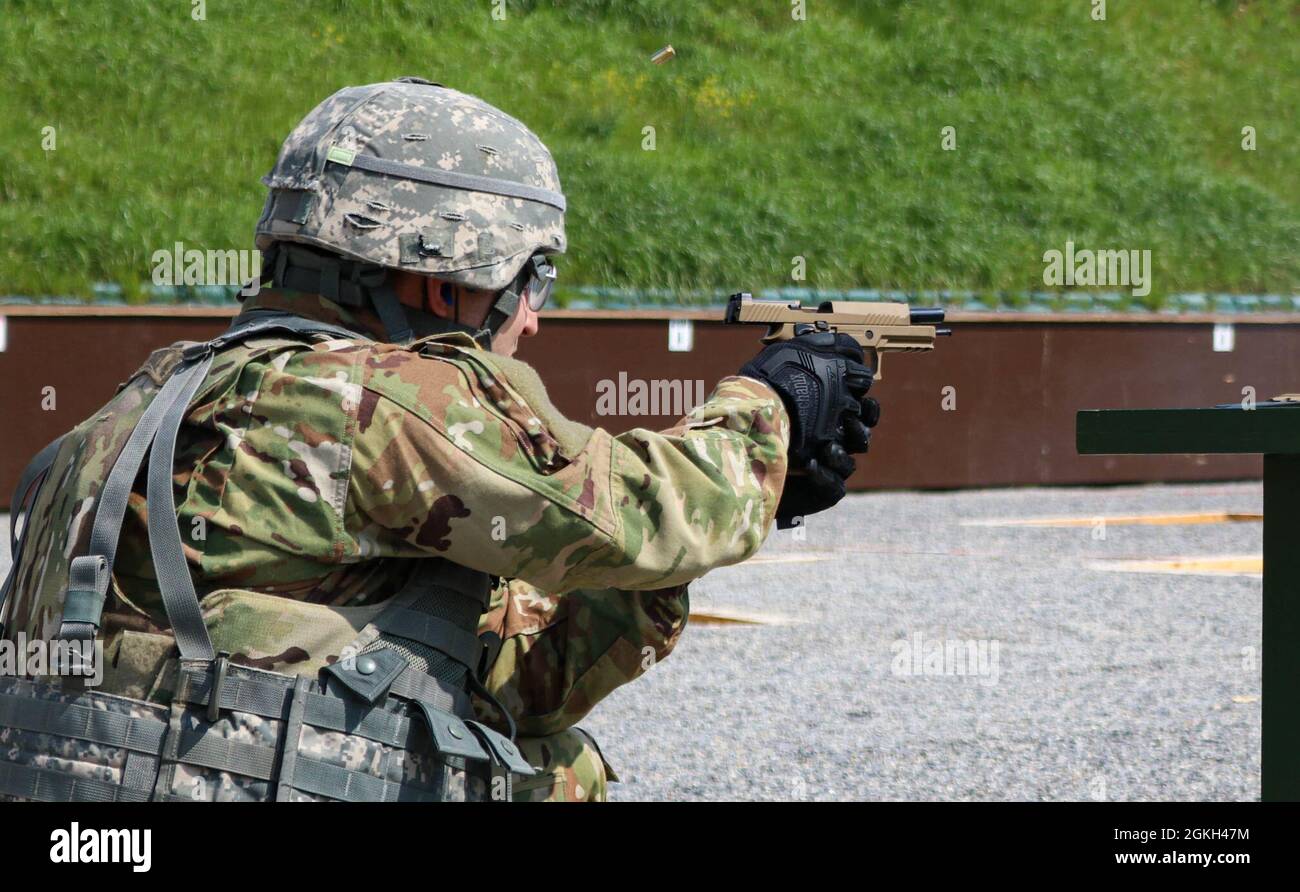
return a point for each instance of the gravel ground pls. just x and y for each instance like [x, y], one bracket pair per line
[1122, 686]
[1091, 683]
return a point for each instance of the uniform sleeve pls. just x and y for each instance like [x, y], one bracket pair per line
[451, 459]
[562, 654]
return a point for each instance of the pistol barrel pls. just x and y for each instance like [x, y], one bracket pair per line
[927, 315]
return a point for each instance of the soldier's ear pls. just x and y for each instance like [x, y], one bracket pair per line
[439, 298]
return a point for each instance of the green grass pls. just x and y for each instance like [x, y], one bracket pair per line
[775, 138]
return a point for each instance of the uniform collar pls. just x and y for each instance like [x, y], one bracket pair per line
[362, 321]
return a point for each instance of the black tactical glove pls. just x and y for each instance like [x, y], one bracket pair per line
[823, 381]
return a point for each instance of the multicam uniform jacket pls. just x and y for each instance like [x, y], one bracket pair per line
[304, 469]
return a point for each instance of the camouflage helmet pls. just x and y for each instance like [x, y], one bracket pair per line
[415, 176]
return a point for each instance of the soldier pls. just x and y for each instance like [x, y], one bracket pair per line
[320, 472]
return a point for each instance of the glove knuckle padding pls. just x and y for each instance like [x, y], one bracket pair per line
[823, 382]
[810, 375]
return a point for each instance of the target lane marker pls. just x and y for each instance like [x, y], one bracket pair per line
[1122, 519]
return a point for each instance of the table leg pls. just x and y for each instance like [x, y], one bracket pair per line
[1280, 763]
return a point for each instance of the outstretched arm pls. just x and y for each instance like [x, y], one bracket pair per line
[466, 459]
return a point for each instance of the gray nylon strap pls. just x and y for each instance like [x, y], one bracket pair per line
[140, 771]
[461, 645]
[507, 303]
[179, 598]
[265, 698]
[169, 404]
[324, 779]
[504, 308]
[117, 489]
[292, 744]
[137, 733]
[111, 508]
[209, 749]
[48, 785]
[453, 179]
[337, 714]
[413, 685]
[330, 276]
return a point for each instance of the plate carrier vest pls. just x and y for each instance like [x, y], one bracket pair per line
[389, 723]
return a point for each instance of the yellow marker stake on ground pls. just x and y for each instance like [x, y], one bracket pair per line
[1232, 565]
[728, 616]
[802, 558]
[1122, 520]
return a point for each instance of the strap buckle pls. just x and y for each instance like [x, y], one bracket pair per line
[220, 666]
[83, 602]
[197, 351]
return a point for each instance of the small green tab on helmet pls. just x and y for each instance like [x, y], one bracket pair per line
[340, 155]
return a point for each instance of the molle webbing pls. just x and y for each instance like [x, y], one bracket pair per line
[114, 728]
[94, 725]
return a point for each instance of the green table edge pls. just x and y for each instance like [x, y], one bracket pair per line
[1271, 430]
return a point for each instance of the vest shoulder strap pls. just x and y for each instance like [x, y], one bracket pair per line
[155, 434]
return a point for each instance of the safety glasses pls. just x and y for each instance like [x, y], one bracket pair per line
[541, 279]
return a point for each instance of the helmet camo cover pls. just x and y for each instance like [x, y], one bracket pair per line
[415, 176]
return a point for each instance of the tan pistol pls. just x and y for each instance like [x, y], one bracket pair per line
[880, 328]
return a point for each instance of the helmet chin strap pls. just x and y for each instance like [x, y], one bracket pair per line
[502, 311]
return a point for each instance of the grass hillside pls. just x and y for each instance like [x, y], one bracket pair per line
[775, 137]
